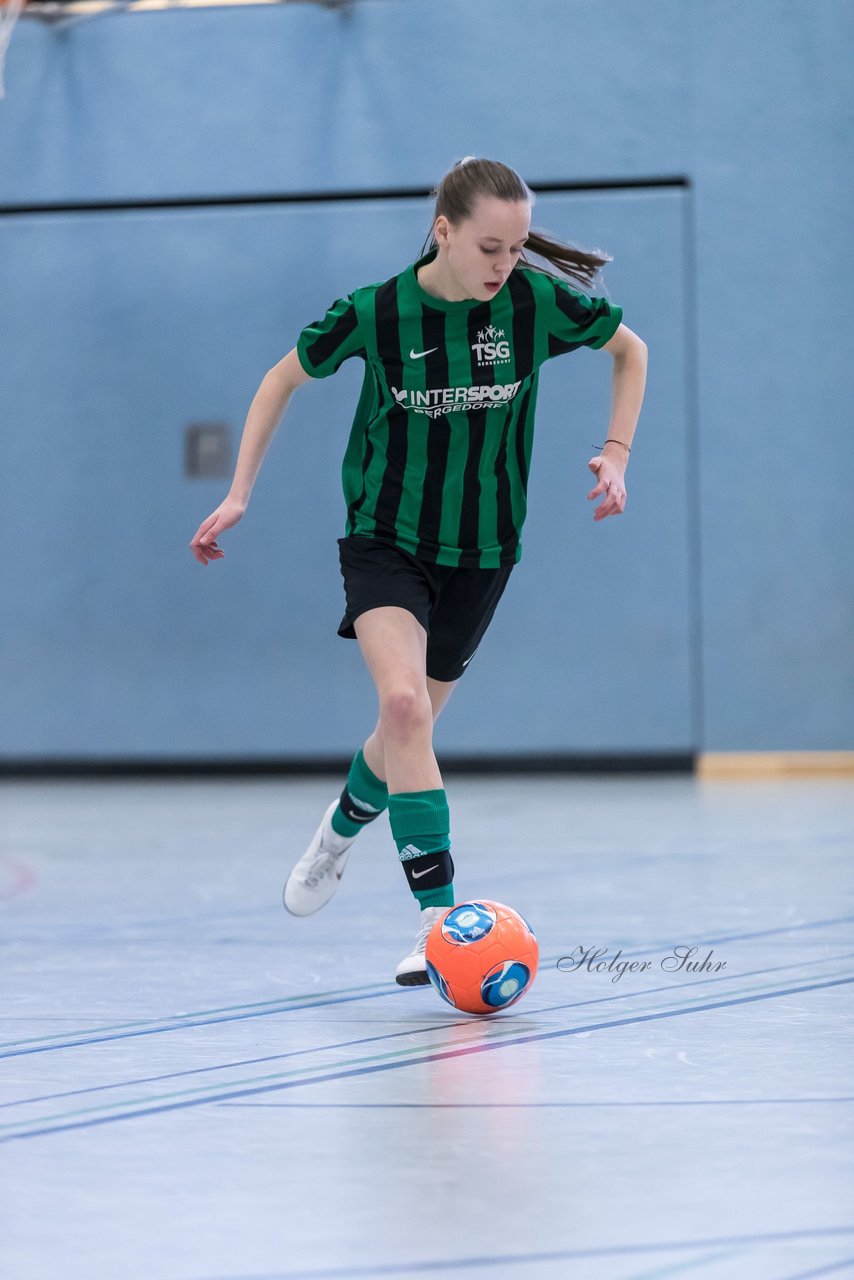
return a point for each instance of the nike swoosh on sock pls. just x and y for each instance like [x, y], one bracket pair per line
[363, 804]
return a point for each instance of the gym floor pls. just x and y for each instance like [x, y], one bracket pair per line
[197, 1086]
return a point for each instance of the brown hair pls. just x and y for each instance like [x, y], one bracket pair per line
[471, 177]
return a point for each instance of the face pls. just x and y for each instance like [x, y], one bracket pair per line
[482, 251]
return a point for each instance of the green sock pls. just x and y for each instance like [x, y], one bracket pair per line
[363, 799]
[420, 824]
[435, 897]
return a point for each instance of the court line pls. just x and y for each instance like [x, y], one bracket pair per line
[845, 1264]
[177, 1021]
[555, 1255]
[40, 1128]
[747, 937]
[98, 932]
[394, 1035]
[406, 1032]
[240, 1062]
[181, 1023]
[23, 878]
[523, 1106]
[681, 1267]
[181, 1019]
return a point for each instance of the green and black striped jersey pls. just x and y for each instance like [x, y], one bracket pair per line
[440, 447]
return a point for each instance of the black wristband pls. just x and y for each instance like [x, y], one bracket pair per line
[611, 440]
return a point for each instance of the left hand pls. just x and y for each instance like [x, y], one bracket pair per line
[611, 476]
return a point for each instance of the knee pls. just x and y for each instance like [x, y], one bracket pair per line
[404, 710]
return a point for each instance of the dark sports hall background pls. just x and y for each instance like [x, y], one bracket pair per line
[183, 187]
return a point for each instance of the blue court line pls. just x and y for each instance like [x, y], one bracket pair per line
[392, 1035]
[844, 1265]
[195, 1022]
[441, 1055]
[654, 948]
[368, 1040]
[555, 1255]
[96, 1035]
[181, 1018]
[747, 937]
[239, 1062]
[99, 933]
[545, 961]
[523, 1106]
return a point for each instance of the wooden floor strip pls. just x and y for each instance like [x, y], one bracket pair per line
[758, 765]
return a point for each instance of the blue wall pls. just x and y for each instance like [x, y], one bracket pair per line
[716, 614]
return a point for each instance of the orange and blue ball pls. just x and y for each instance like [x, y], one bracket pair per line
[482, 956]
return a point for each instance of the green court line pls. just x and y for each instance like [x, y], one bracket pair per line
[681, 1267]
[497, 1030]
[201, 1090]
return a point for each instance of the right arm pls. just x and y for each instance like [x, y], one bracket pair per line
[265, 414]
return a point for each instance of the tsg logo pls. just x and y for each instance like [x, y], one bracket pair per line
[491, 347]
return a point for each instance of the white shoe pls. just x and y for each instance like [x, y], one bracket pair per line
[412, 970]
[315, 877]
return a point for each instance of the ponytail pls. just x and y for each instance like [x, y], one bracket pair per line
[455, 197]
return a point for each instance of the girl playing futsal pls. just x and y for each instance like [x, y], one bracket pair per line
[435, 477]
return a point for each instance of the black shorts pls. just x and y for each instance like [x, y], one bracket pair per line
[454, 606]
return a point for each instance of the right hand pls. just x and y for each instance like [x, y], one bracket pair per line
[204, 545]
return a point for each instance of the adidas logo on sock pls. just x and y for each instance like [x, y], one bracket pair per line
[410, 851]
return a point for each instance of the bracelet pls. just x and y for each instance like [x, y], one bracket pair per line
[611, 440]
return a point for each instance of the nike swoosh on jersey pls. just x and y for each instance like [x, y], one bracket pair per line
[416, 875]
[416, 355]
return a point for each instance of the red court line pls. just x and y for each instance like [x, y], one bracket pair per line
[22, 878]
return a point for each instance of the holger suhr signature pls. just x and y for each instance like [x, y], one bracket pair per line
[679, 960]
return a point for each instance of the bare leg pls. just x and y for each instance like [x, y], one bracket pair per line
[400, 750]
[374, 748]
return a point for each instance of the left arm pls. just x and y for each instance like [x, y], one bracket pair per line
[628, 383]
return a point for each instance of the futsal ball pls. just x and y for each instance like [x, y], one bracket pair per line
[482, 956]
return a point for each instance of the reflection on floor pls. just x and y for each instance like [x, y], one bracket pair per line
[196, 1085]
